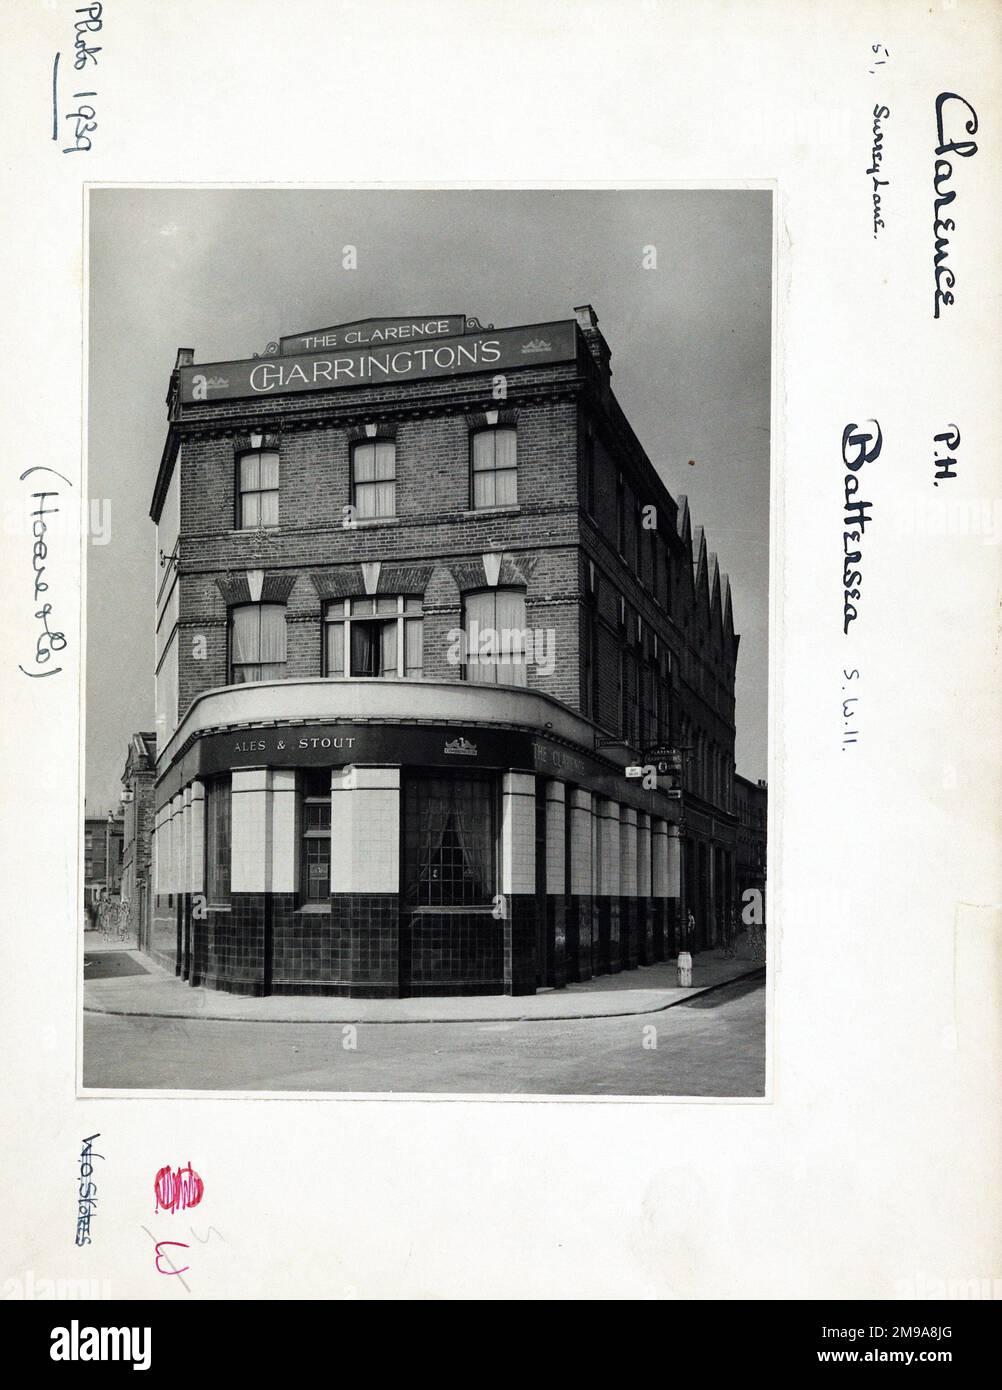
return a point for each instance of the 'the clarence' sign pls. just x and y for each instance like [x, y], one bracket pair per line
[494, 351]
[375, 333]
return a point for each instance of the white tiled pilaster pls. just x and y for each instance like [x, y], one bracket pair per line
[518, 833]
[628, 851]
[608, 848]
[196, 813]
[282, 810]
[184, 886]
[581, 842]
[250, 840]
[556, 845]
[177, 844]
[643, 855]
[659, 859]
[365, 829]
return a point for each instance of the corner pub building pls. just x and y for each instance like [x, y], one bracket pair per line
[422, 599]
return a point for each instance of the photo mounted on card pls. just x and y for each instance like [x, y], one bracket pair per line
[425, 731]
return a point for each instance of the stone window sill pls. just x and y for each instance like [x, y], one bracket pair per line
[367, 521]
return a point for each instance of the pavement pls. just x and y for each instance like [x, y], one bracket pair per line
[710, 1045]
[121, 981]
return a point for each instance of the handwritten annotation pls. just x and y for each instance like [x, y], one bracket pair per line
[87, 1190]
[48, 640]
[84, 117]
[942, 174]
[854, 454]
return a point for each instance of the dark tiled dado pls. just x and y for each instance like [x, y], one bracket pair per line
[364, 946]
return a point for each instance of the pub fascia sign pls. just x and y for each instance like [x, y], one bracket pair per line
[493, 350]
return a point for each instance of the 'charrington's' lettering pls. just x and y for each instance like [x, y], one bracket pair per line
[943, 173]
[854, 455]
[327, 372]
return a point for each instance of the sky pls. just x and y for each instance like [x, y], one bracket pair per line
[226, 271]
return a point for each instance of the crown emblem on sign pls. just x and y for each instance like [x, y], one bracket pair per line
[537, 345]
[462, 747]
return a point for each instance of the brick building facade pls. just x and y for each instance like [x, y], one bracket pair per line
[138, 778]
[102, 857]
[422, 600]
[751, 805]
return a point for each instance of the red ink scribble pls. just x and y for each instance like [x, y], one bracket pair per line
[162, 1256]
[177, 1189]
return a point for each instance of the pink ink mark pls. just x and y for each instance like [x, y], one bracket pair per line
[162, 1256]
[177, 1189]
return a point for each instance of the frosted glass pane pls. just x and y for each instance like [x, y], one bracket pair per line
[251, 515]
[250, 472]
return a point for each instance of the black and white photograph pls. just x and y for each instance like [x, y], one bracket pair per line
[427, 593]
[501, 718]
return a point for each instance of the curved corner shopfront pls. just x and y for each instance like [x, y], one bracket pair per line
[381, 839]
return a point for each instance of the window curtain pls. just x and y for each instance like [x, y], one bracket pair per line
[510, 624]
[499, 635]
[388, 660]
[375, 469]
[455, 842]
[269, 489]
[483, 469]
[504, 463]
[413, 647]
[272, 616]
[335, 649]
[363, 650]
[494, 468]
[250, 482]
[259, 489]
[257, 641]
[480, 613]
[243, 639]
